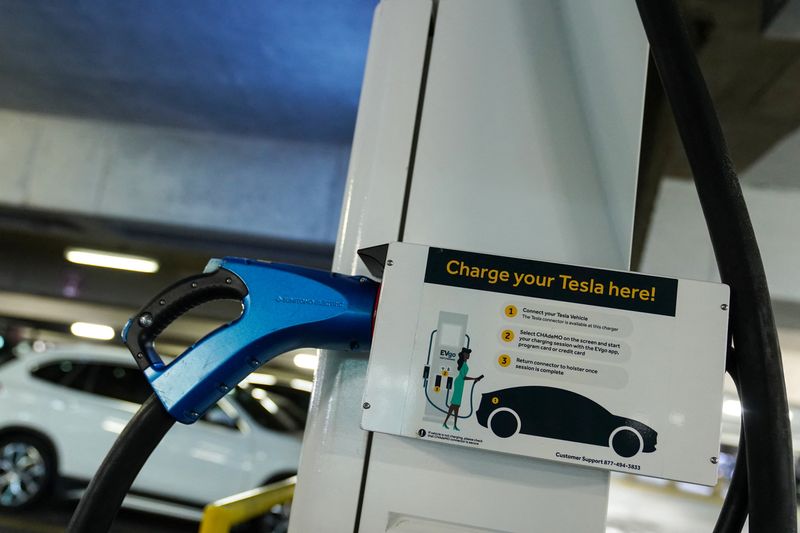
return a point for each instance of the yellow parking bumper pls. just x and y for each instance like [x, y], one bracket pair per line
[221, 515]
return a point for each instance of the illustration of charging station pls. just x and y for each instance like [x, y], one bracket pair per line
[496, 152]
[445, 344]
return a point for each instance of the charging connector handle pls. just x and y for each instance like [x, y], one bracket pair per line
[284, 307]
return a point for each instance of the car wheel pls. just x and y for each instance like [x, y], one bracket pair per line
[504, 422]
[625, 441]
[26, 470]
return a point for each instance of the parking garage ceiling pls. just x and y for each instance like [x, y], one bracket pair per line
[753, 75]
[293, 69]
[249, 69]
[290, 70]
[257, 67]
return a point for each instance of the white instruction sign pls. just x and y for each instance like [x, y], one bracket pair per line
[600, 368]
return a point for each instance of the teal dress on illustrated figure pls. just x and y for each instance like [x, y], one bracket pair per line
[458, 385]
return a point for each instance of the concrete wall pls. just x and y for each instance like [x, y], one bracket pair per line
[678, 242]
[266, 187]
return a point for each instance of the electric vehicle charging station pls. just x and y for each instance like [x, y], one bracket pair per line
[482, 126]
[471, 138]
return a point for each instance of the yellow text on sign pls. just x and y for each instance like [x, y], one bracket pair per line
[507, 335]
[504, 360]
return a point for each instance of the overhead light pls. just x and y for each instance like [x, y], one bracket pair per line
[732, 408]
[269, 405]
[92, 331]
[135, 263]
[263, 398]
[258, 394]
[261, 379]
[301, 384]
[306, 360]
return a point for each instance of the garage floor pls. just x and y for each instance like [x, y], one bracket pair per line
[634, 507]
[54, 518]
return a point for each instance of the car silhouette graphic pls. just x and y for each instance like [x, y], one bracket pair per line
[564, 415]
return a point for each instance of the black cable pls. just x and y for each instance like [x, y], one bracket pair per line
[103, 498]
[770, 473]
[734, 510]
[733, 514]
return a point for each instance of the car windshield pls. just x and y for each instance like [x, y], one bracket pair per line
[274, 407]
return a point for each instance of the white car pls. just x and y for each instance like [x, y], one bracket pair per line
[61, 410]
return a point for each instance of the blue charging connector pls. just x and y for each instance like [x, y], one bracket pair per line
[284, 307]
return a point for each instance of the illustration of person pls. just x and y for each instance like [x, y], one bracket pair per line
[458, 387]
